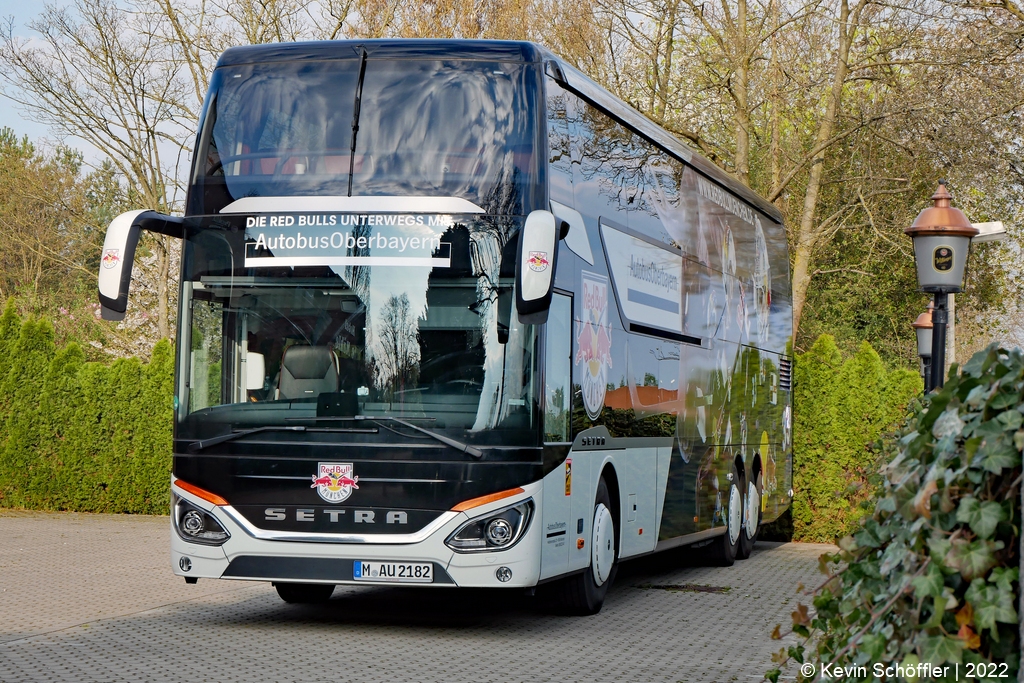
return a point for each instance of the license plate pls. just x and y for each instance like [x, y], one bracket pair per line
[398, 572]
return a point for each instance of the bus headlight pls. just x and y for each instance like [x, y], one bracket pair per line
[496, 530]
[197, 526]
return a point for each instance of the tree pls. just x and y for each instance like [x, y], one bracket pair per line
[395, 345]
[42, 200]
[100, 76]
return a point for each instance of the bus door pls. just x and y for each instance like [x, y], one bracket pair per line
[559, 529]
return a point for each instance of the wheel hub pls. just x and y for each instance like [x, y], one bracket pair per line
[752, 510]
[602, 544]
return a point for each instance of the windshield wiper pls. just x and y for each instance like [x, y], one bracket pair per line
[355, 119]
[457, 445]
[448, 441]
[197, 446]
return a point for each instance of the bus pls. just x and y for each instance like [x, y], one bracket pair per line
[453, 315]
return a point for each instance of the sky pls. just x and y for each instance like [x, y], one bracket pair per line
[23, 11]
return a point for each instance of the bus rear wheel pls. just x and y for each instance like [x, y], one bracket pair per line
[583, 594]
[751, 519]
[304, 593]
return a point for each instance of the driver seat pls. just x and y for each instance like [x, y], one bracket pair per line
[307, 371]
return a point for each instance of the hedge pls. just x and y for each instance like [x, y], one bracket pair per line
[840, 409]
[81, 436]
[931, 576]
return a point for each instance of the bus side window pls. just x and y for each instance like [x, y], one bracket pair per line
[557, 370]
[560, 132]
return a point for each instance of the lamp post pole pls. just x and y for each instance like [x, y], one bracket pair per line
[924, 333]
[940, 316]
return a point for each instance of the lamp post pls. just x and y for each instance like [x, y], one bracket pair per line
[923, 328]
[942, 239]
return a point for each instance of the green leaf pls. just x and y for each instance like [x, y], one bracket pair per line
[948, 423]
[938, 548]
[1004, 399]
[1004, 577]
[938, 610]
[886, 504]
[868, 536]
[972, 558]
[967, 509]
[997, 454]
[983, 518]
[941, 649]
[1010, 419]
[977, 363]
[928, 585]
[991, 603]
[977, 395]
[894, 554]
[989, 428]
[873, 646]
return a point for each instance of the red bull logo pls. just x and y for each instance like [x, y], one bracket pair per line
[594, 343]
[111, 257]
[334, 481]
[538, 261]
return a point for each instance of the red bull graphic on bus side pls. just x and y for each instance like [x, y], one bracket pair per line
[334, 481]
[594, 343]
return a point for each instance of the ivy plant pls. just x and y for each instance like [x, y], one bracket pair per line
[931, 576]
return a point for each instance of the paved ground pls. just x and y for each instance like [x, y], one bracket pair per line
[92, 598]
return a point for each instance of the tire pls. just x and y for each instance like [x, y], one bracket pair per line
[583, 594]
[304, 593]
[751, 519]
[724, 549]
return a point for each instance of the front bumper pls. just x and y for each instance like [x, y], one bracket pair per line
[247, 556]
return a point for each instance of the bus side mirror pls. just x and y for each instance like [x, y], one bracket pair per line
[535, 267]
[119, 254]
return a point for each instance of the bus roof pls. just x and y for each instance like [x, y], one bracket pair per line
[392, 48]
[502, 50]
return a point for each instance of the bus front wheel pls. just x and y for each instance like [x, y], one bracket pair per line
[304, 593]
[725, 548]
[583, 594]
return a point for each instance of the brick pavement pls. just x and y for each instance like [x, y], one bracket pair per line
[92, 598]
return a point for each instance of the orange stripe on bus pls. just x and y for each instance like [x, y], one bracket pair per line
[202, 493]
[484, 500]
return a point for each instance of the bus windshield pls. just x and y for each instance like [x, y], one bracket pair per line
[405, 336]
[446, 128]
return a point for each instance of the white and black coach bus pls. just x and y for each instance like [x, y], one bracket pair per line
[451, 314]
